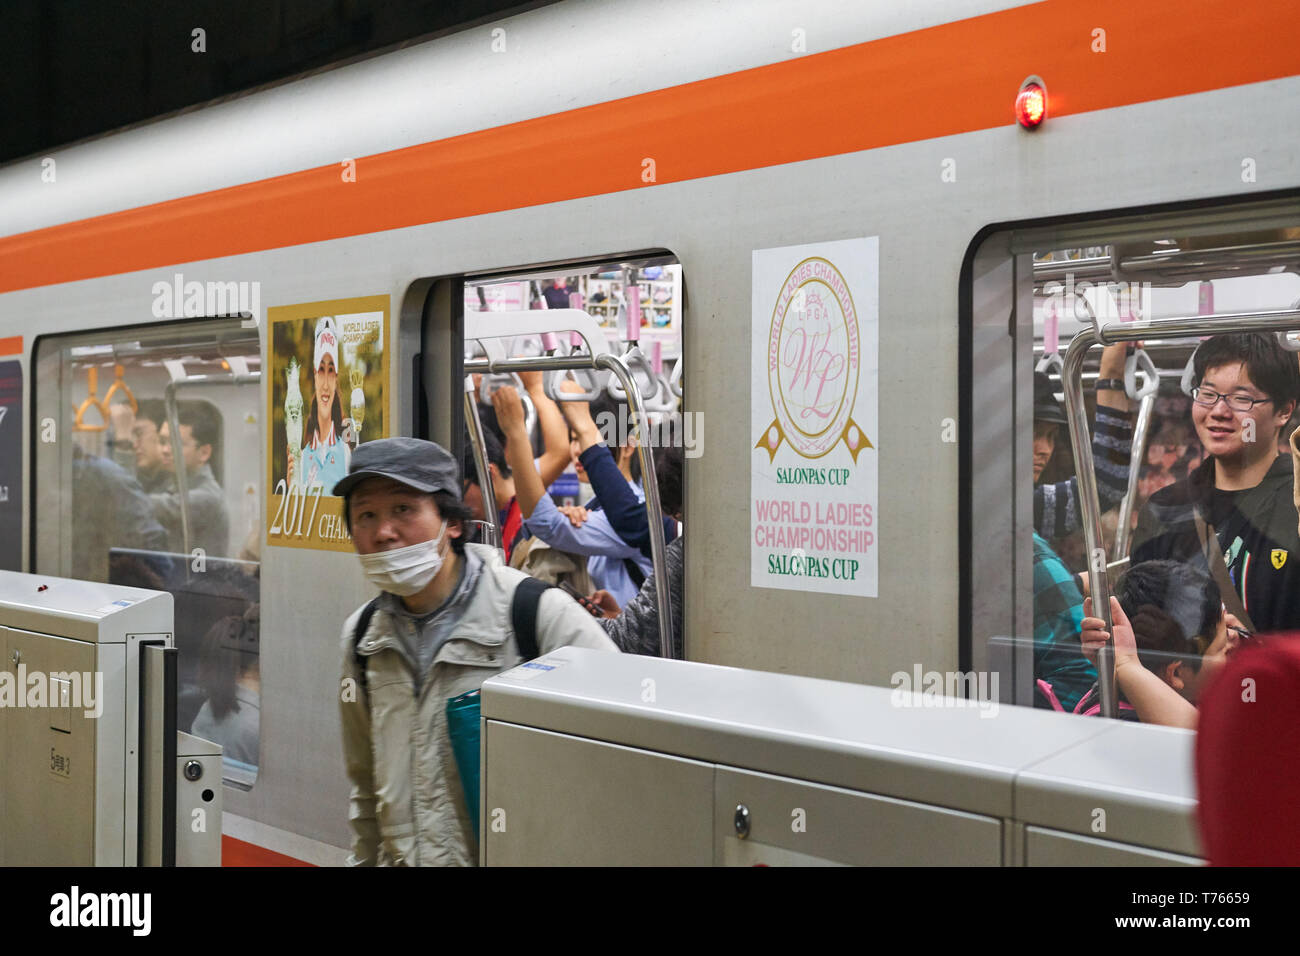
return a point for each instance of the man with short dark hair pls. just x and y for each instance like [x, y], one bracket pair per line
[209, 525]
[450, 615]
[1234, 516]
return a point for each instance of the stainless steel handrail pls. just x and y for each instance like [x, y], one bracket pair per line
[488, 493]
[1080, 441]
[1173, 263]
[1137, 451]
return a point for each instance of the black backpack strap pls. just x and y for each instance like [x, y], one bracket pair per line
[363, 623]
[523, 615]
[634, 572]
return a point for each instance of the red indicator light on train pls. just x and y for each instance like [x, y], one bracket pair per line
[1031, 105]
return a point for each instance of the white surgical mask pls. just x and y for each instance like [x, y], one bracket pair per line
[404, 571]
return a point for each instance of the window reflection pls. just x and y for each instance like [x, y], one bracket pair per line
[117, 512]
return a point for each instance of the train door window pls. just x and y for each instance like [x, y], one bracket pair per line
[112, 506]
[1161, 462]
[581, 547]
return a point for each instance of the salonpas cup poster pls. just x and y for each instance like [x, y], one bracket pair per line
[814, 421]
[328, 392]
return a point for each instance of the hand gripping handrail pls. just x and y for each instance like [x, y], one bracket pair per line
[1080, 442]
[494, 380]
[483, 328]
[675, 379]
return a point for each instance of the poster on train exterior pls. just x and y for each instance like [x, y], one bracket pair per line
[329, 391]
[814, 521]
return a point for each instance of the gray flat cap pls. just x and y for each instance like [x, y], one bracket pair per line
[422, 465]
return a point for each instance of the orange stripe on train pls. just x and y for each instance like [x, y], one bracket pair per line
[939, 81]
[239, 853]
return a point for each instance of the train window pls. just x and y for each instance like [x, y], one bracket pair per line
[596, 554]
[112, 506]
[1197, 517]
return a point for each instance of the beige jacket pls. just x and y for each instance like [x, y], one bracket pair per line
[407, 806]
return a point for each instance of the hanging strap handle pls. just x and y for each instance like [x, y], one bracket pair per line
[92, 400]
[1139, 357]
[644, 376]
[1189, 373]
[1051, 360]
[119, 385]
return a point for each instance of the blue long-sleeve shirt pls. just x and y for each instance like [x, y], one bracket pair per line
[606, 552]
[626, 510]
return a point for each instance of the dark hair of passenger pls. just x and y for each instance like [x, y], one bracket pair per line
[229, 650]
[450, 509]
[487, 417]
[151, 409]
[496, 455]
[1174, 608]
[613, 418]
[668, 475]
[1272, 368]
[204, 422]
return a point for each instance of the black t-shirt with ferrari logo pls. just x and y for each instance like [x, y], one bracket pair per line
[1256, 531]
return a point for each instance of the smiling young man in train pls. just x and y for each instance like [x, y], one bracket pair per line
[449, 616]
[1235, 515]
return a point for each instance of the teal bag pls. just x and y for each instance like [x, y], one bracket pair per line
[463, 728]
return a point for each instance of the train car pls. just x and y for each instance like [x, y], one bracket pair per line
[197, 257]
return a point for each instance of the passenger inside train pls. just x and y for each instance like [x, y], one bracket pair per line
[1170, 624]
[611, 563]
[229, 679]
[1056, 504]
[1235, 514]
[209, 524]
[121, 518]
[634, 626]
[1207, 500]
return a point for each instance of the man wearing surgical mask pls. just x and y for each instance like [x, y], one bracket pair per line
[444, 622]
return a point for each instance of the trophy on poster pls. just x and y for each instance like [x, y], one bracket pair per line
[293, 416]
[358, 379]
